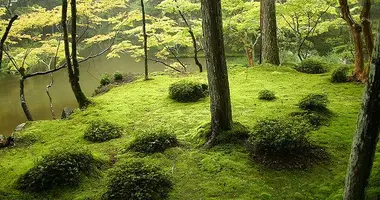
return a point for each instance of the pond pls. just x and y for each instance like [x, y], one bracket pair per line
[11, 113]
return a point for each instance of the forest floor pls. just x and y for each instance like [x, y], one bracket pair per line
[223, 172]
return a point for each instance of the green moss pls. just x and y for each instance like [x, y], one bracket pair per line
[224, 172]
[237, 134]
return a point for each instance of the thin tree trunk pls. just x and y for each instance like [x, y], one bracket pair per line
[359, 72]
[249, 51]
[367, 133]
[270, 51]
[220, 103]
[5, 36]
[23, 101]
[365, 17]
[145, 40]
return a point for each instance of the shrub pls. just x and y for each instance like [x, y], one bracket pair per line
[187, 91]
[101, 131]
[311, 66]
[266, 95]
[315, 119]
[283, 143]
[138, 181]
[316, 102]
[105, 79]
[62, 168]
[117, 76]
[340, 75]
[153, 142]
[238, 133]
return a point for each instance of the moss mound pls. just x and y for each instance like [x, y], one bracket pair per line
[101, 131]
[267, 95]
[314, 102]
[188, 91]
[153, 142]
[238, 134]
[283, 144]
[62, 168]
[312, 66]
[340, 75]
[314, 119]
[138, 181]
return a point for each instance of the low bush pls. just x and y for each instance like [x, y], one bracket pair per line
[282, 143]
[188, 91]
[312, 66]
[138, 181]
[314, 102]
[315, 119]
[118, 76]
[340, 75]
[153, 142]
[105, 79]
[237, 134]
[101, 131]
[62, 168]
[266, 95]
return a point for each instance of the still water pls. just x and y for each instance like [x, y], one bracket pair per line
[11, 113]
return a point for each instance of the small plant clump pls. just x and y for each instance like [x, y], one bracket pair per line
[314, 102]
[188, 91]
[118, 76]
[238, 133]
[62, 168]
[340, 75]
[138, 181]
[101, 131]
[153, 142]
[312, 66]
[267, 95]
[283, 143]
[105, 79]
[315, 119]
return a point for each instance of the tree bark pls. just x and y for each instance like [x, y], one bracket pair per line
[72, 63]
[367, 133]
[145, 40]
[270, 51]
[220, 103]
[5, 36]
[23, 101]
[249, 52]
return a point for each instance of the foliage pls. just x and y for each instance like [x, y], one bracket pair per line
[118, 76]
[312, 66]
[153, 142]
[316, 102]
[237, 134]
[266, 95]
[105, 79]
[101, 131]
[188, 91]
[138, 181]
[315, 119]
[340, 75]
[61, 168]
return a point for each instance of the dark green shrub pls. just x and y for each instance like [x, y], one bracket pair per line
[118, 76]
[266, 95]
[138, 181]
[340, 75]
[312, 66]
[316, 102]
[105, 79]
[153, 142]
[237, 134]
[188, 91]
[283, 143]
[101, 131]
[62, 168]
[315, 119]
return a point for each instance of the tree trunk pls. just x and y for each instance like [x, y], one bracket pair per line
[220, 103]
[249, 53]
[367, 133]
[23, 101]
[145, 40]
[270, 49]
[5, 36]
[359, 72]
[72, 67]
[195, 51]
[261, 32]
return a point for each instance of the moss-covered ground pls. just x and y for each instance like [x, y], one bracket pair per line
[223, 172]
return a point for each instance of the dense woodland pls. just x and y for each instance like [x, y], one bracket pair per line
[283, 117]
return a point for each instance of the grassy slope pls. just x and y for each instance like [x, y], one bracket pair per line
[222, 173]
